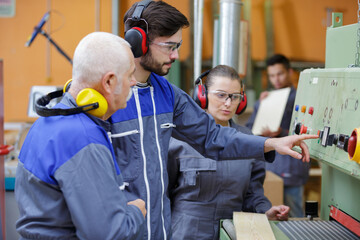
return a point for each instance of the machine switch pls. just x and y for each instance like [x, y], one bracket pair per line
[320, 133]
[332, 139]
[343, 142]
[311, 110]
[297, 128]
[297, 108]
[303, 129]
[325, 135]
[303, 108]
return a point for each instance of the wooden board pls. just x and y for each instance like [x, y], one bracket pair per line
[254, 226]
[271, 111]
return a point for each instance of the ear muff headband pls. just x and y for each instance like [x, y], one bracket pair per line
[67, 85]
[42, 110]
[136, 16]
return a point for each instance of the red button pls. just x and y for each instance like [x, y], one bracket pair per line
[303, 129]
[311, 110]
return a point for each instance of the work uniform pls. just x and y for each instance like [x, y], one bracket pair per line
[68, 184]
[202, 191]
[294, 172]
[141, 133]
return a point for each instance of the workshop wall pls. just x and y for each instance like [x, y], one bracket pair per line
[299, 33]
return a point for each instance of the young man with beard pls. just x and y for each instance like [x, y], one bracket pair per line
[158, 110]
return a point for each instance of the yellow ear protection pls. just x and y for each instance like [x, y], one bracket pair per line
[89, 96]
[88, 100]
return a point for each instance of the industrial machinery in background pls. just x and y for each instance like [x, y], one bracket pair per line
[327, 104]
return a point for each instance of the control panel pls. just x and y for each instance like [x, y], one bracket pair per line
[327, 104]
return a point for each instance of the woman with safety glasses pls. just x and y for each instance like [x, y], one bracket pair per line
[202, 190]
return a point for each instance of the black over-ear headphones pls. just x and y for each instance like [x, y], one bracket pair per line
[201, 98]
[136, 36]
[88, 100]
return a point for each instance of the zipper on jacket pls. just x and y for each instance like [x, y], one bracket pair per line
[148, 206]
[160, 159]
[167, 125]
[123, 134]
[122, 187]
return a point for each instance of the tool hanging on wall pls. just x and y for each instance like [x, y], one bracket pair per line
[38, 29]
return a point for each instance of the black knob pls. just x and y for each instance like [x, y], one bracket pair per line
[297, 128]
[332, 139]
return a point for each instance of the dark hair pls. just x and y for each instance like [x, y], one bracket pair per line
[278, 59]
[163, 19]
[222, 71]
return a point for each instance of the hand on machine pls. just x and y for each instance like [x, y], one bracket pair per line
[284, 146]
[278, 213]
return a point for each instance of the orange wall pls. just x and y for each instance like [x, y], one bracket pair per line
[299, 27]
[299, 32]
[25, 67]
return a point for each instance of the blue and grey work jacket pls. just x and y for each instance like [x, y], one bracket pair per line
[68, 184]
[141, 133]
[203, 191]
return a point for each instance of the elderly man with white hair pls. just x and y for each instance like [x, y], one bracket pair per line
[68, 184]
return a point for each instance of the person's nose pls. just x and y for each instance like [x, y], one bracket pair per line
[227, 102]
[174, 54]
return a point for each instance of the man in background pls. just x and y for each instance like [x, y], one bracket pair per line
[294, 173]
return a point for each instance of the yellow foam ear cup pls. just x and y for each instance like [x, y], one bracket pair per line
[89, 96]
[67, 85]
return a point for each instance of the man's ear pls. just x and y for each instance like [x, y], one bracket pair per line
[291, 72]
[108, 82]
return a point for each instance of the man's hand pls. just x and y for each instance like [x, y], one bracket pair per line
[140, 204]
[284, 146]
[279, 213]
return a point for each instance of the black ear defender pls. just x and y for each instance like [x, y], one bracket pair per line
[88, 100]
[137, 36]
[201, 98]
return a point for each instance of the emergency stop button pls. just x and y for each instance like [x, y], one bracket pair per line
[353, 145]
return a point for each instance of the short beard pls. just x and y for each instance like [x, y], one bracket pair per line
[149, 64]
[118, 91]
[129, 95]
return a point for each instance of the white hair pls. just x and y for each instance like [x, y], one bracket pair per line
[97, 54]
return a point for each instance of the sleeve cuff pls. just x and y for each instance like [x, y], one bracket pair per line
[269, 156]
